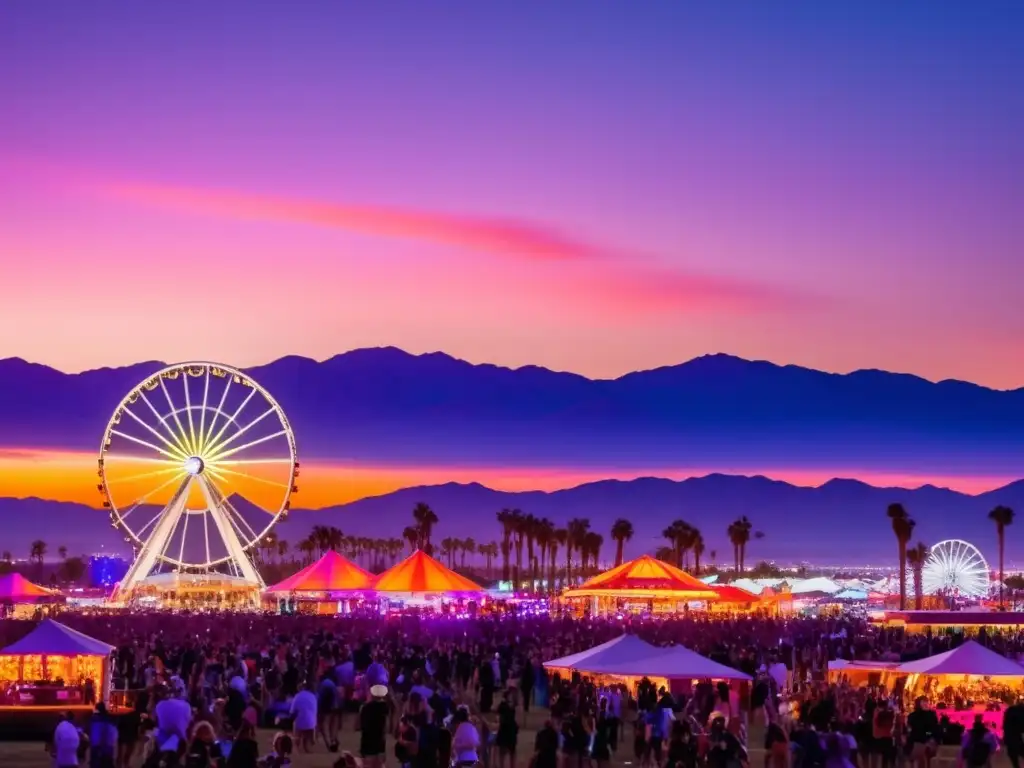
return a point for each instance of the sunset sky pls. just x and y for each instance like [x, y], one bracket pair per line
[589, 186]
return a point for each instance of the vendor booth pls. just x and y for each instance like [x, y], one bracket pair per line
[733, 599]
[965, 682]
[861, 674]
[644, 585]
[420, 579]
[627, 659]
[53, 669]
[19, 597]
[328, 586]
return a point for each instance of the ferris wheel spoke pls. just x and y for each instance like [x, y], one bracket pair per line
[217, 412]
[140, 459]
[163, 423]
[200, 444]
[184, 533]
[171, 446]
[206, 536]
[243, 462]
[233, 419]
[142, 499]
[251, 444]
[143, 475]
[229, 509]
[174, 415]
[219, 471]
[218, 448]
[188, 415]
[149, 445]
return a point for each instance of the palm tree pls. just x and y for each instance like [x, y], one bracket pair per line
[591, 549]
[468, 547]
[529, 528]
[739, 534]
[518, 530]
[448, 549]
[665, 554]
[307, 547]
[698, 550]
[62, 552]
[577, 528]
[916, 557]
[37, 551]
[412, 537]
[282, 549]
[545, 535]
[903, 529]
[561, 538]
[489, 551]
[1002, 517]
[425, 519]
[507, 520]
[622, 531]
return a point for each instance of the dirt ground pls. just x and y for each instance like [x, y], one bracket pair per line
[33, 755]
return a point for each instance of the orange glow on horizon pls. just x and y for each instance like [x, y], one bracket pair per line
[71, 477]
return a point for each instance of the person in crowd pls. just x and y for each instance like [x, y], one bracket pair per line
[545, 746]
[304, 712]
[245, 751]
[978, 747]
[203, 751]
[922, 734]
[508, 732]
[373, 727]
[1013, 731]
[102, 739]
[67, 739]
[465, 740]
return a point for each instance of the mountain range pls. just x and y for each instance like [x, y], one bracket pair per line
[842, 521]
[381, 406]
[384, 405]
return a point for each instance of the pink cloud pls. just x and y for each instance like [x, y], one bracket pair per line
[506, 238]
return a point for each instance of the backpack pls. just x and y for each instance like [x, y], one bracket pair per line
[978, 751]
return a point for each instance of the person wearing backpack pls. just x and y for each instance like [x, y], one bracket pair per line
[978, 747]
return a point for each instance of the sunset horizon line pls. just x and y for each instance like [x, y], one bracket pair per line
[320, 360]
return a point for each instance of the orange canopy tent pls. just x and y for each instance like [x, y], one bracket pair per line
[15, 588]
[645, 578]
[421, 574]
[331, 573]
[734, 595]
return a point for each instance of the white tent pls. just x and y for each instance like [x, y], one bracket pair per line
[968, 659]
[624, 648]
[819, 584]
[675, 662]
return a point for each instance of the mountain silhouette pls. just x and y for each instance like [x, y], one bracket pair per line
[840, 522]
[384, 405]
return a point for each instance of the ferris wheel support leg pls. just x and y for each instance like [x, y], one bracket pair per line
[157, 541]
[227, 533]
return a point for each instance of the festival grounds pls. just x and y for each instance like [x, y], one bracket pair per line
[33, 755]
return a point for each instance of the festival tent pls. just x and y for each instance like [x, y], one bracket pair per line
[622, 649]
[730, 593]
[672, 663]
[818, 585]
[332, 573]
[967, 659]
[15, 588]
[421, 574]
[54, 651]
[851, 594]
[645, 578]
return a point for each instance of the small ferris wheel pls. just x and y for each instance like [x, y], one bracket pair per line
[197, 465]
[956, 568]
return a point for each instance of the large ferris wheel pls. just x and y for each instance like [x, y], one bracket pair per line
[196, 466]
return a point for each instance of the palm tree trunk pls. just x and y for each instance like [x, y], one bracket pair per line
[1002, 542]
[618, 551]
[903, 575]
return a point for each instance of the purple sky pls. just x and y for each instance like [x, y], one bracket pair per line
[591, 186]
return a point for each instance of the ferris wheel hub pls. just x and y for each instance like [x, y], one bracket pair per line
[194, 465]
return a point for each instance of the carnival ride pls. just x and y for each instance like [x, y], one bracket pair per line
[197, 465]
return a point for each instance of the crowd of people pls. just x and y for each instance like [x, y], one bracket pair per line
[432, 692]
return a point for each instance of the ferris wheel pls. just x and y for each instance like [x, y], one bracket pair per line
[955, 567]
[197, 464]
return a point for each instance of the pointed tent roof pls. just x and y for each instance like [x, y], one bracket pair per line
[730, 593]
[967, 659]
[51, 638]
[623, 648]
[420, 573]
[331, 573]
[643, 576]
[674, 662]
[14, 586]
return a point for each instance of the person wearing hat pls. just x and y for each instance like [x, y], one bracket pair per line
[102, 738]
[373, 727]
